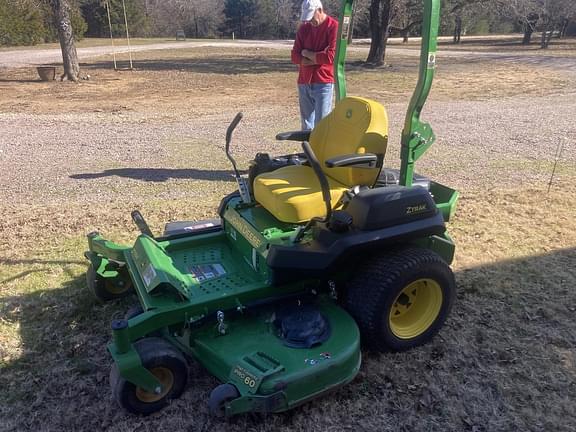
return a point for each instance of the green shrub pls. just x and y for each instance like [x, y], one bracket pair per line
[479, 27]
[20, 25]
[26, 24]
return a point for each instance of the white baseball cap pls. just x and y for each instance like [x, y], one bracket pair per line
[308, 9]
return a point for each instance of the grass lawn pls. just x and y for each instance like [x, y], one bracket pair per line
[85, 155]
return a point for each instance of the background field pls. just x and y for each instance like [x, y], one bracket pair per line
[75, 158]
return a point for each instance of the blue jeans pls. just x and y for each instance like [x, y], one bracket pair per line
[315, 103]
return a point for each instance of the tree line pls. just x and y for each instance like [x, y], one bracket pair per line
[34, 21]
[27, 22]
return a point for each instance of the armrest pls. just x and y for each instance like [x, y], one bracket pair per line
[367, 160]
[294, 136]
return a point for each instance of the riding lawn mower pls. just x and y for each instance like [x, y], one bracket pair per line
[316, 255]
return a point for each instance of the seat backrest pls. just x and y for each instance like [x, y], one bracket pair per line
[356, 125]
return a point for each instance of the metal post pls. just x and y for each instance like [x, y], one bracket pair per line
[111, 36]
[418, 136]
[343, 39]
[127, 35]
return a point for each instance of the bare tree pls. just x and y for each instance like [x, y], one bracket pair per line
[199, 18]
[461, 10]
[548, 15]
[407, 17]
[61, 10]
[286, 16]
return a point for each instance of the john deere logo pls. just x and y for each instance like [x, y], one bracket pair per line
[349, 113]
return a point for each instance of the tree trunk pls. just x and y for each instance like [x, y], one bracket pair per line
[546, 37]
[529, 26]
[457, 29]
[61, 10]
[379, 29]
[546, 33]
[527, 35]
[563, 28]
[404, 31]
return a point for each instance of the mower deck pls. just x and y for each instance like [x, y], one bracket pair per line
[270, 375]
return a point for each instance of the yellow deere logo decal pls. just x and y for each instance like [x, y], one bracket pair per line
[241, 226]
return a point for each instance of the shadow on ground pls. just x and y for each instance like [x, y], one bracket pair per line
[226, 66]
[23, 80]
[159, 174]
[504, 361]
[222, 66]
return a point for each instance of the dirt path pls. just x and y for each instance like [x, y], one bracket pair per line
[28, 57]
[32, 57]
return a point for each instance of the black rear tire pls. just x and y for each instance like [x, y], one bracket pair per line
[163, 360]
[401, 299]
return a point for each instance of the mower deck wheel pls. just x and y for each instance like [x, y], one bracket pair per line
[401, 299]
[219, 397]
[166, 363]
[106, 289]
[133, 311]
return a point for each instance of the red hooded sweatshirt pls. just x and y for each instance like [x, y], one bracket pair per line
[322, 40]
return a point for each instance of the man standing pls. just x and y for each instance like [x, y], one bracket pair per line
[313, 51]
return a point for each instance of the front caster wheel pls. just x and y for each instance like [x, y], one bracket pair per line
[106, 289]
[219, 397]
[401, 299]
[166, 363]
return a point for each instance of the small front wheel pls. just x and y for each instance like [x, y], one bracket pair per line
[163, 361]
[106, 289]
[219, 397]
[401, 299]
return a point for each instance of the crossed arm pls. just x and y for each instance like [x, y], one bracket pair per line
[307, 57]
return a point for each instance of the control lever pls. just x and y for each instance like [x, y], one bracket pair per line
[141, 223]
[242, 185]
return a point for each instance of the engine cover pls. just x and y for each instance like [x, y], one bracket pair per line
[379, 208]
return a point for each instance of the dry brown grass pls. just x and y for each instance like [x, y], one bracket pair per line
[191, 80]
[512, 44]
[505, 360]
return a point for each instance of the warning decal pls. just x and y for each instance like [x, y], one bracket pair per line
[204, 272]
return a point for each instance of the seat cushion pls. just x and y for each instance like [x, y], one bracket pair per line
[355, 126]
[293, 194]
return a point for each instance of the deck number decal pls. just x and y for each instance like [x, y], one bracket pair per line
[204, 272]
[246, 377]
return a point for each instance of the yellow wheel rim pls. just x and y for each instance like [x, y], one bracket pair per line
[415, 308]
[119, 288]
[166, 378]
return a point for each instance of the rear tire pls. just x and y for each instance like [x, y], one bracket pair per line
[165, 362]
[401, 299]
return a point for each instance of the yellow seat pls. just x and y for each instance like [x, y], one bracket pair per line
[355, 126]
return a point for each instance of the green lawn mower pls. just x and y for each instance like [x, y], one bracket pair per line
[315, 253]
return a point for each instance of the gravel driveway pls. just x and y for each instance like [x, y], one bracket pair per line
[57, 158]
